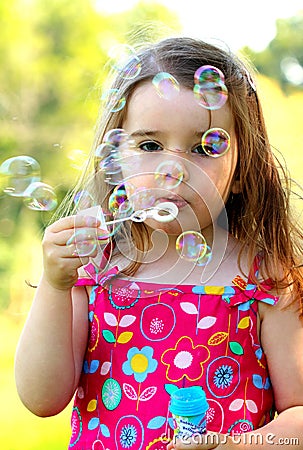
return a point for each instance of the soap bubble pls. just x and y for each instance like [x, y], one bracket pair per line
[120, 227]
[113, 100]
[207, 74]
[85, 242]
[40, 197]
[191, 245]
[117, 197]
[169, 174]
[111, 164]
[108, 155]
[116, 137]
[124, 60]
[205, 259]
[215, 142]
[211, 95]
[210, 88]
[83, 200]
[18, 173]
[103, 150]
[166, 85]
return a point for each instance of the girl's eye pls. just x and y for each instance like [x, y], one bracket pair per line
[199, 150]
[150, 146]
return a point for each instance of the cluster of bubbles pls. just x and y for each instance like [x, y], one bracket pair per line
[108, 155]
[209, 88]
[124, 61]
[126, 200]
[20, 177]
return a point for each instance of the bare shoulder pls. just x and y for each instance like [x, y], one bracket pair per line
[281, 338]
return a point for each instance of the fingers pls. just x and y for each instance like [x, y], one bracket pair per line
[74, 243]
[75, 235]
[73, 229]
[67, 245]
[74, 222]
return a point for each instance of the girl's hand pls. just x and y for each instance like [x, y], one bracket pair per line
[206, 441]
[61, 260]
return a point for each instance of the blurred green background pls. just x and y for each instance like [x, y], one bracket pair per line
[53, 55]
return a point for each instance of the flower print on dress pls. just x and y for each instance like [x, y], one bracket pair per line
[77, 426]
[128, 436]
[129, 433]
[123, 297]
[185, 360]
[241, 426]
[140, 363]
[94, 331]
[111, 394]
[223, 376]
[214, 415]
[157, 321]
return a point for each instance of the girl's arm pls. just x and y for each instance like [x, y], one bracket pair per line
[282, 341]
[51, 348]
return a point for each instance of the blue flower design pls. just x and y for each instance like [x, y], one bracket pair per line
[223, 376]
[140, 363]
[128, 436]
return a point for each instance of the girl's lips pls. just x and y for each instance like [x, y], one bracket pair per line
[178, 201]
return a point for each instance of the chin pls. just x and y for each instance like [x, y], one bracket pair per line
[171, 228]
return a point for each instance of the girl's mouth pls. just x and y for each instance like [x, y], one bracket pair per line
[177, 200]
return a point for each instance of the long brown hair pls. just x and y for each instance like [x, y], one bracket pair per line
[260, 215]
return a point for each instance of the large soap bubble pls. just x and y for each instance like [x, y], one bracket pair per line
[166, 85]
[169, 174]
[18, 173]
[215, 142]
[40, 197]
[210, 89]
[124, 60]
[191, 245]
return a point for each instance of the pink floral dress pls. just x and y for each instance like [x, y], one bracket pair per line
[147, 340]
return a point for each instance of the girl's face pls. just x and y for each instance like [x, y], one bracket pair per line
[167, 140]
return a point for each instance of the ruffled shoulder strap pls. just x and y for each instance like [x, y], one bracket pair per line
[250, 291]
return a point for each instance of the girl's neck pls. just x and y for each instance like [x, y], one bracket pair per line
[163, 264]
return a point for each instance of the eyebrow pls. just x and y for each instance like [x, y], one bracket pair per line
[147, 132]
[143, 132]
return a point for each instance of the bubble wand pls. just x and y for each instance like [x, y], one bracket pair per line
[86, 243]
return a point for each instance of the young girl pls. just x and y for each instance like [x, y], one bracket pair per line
[121, 335]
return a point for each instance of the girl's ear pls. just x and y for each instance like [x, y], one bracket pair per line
[235, 188]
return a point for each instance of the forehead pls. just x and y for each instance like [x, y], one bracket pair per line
[146, 108]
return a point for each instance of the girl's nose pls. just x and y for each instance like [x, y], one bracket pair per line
[181, 161]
